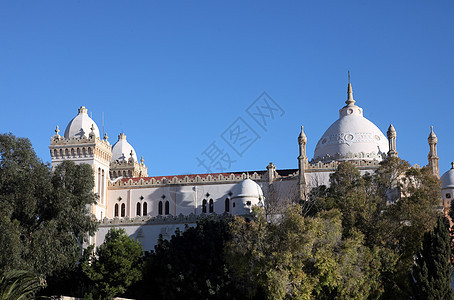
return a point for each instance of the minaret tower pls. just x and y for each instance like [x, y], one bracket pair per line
[82, 144]
[432, 157]
[302, 164]
[392, 141]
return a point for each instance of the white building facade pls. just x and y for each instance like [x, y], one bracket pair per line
[150, 206]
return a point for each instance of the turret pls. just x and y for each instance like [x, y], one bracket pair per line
[432, 157]
[302, 163]
[392, 141]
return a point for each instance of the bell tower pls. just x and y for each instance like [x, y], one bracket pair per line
[82, 144]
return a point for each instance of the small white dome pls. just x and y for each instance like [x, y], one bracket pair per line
[122, 150]
[447, 180]
[351, 137]
[247, 188]
[81, 125]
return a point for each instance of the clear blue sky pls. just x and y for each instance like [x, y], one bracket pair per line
[174, 75]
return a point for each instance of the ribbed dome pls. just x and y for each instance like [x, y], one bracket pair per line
[351, 137]
[447, 180]
[122, 149]
[81, 125]
[247, 188]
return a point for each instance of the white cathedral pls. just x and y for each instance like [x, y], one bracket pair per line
[147, 206]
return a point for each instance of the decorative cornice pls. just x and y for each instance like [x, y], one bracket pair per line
[349, 157]
[161, 220]
[188, 179]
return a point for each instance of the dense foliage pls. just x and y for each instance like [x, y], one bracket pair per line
[363, 237]
[43, 215]
[116, 265]
[431, 276]
[190, 266]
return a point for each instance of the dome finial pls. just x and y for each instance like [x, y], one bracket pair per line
[452, 165]
[83, 110]
[350, 100]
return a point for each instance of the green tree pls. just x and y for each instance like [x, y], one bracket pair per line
[301, 258]
[191, 265]
[116, 265]
[43, 215]
[392, 208]
[431, 276]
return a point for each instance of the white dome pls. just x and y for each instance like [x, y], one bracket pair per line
[81, 125]
[447, 180]
[351, 137]
[122, 149]
[247, 188]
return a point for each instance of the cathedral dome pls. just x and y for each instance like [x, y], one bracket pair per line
[81, 125]
[351, 137]
[247, 188]
[447, 180]
[122, 150]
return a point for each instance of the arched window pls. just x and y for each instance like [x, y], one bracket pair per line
[116, 210]
[448, 196]
[144, 209]
[102, 187]
[160, 208]
[123, 210]
[211, 206]
[167, 207]
[138, 209]
[99, 182]
[227, 205]
[204, 206]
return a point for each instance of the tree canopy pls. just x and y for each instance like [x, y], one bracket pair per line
[43, 215]
[116, 265]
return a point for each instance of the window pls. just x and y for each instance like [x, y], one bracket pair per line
[116, 210]
[448, 196]
[227, 205]
[211, 206]
[167, 207]
[123, 210]
[99, 182]
[102, 187]
[138, 209]
[204, 206]
[160, 208]
[144, 209]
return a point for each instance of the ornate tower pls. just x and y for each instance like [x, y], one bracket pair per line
[124, 160]
[82, 144]
[392, 141]
[432, 157]
[302, 163]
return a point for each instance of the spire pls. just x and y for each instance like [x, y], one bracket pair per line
[433, 157]
[350, 100]
[432, 135]
[302, 137]
[392, 141]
